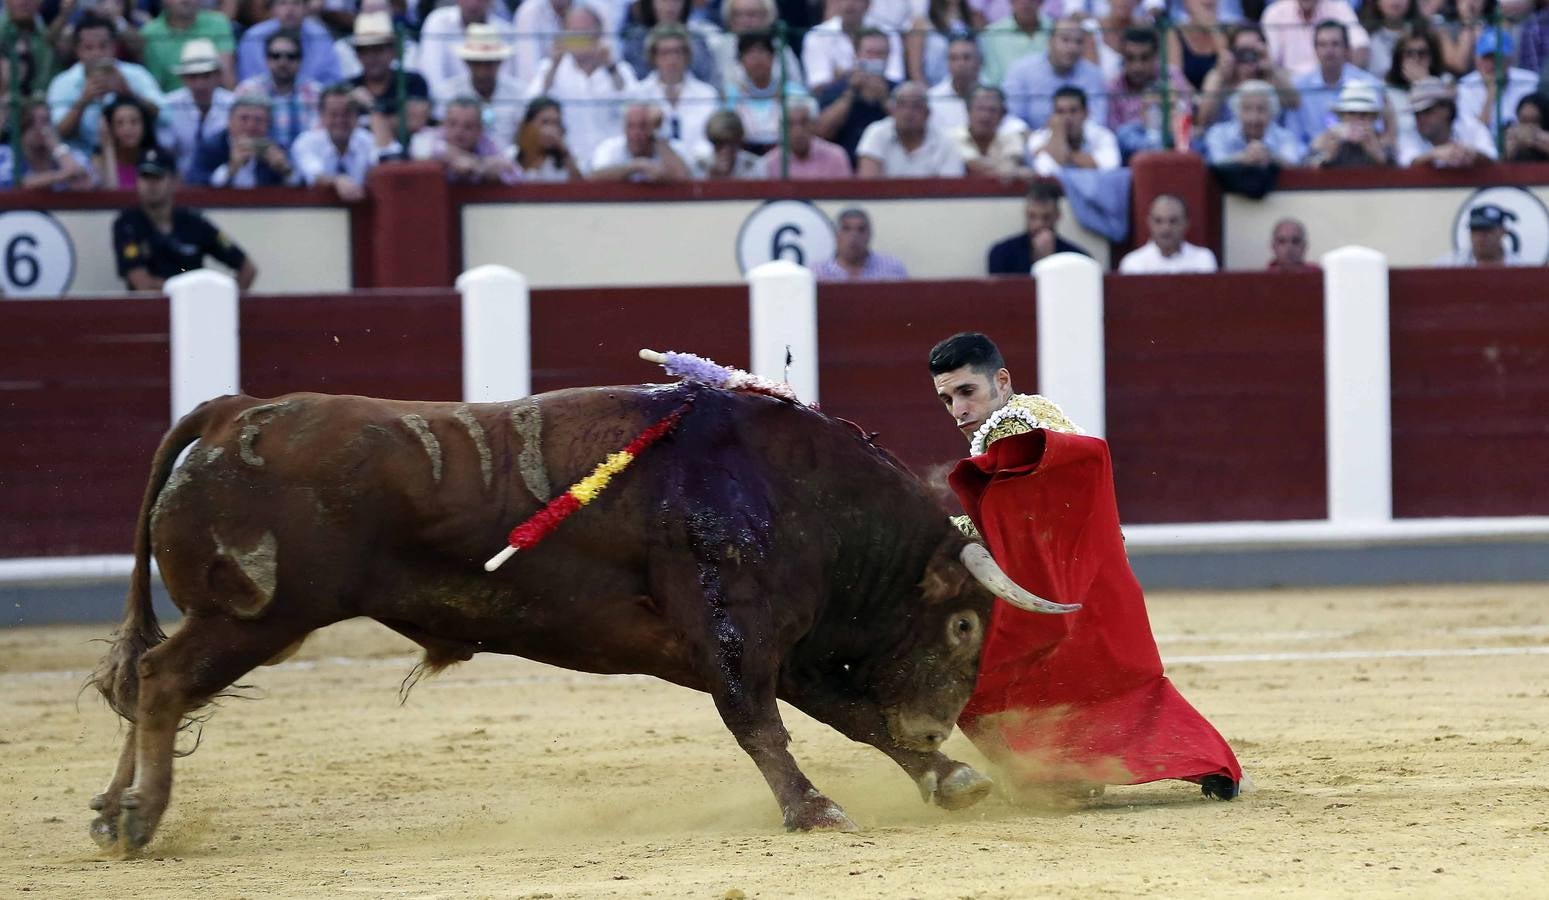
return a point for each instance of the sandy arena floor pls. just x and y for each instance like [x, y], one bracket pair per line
[1397, 738]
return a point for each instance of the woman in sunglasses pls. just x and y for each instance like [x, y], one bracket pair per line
[1416, 57]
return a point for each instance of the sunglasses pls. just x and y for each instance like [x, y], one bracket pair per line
[1417, 52]
[281, 54]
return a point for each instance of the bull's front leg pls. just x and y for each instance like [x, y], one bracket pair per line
[740, 663]
[942, 780]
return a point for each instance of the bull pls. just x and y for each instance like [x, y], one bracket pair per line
[762, 550]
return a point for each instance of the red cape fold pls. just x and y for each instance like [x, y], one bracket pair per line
[1079, 697]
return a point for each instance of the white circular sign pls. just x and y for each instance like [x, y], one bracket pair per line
[1527, 222]
[37, 258]
[793, 230]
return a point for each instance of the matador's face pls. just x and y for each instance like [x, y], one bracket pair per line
[971, 396]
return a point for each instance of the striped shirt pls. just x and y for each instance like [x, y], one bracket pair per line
[879, 267]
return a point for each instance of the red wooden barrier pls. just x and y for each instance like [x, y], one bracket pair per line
[1470, 392]
[84, 399]
[404, 344]
[873, 342]
[1215, 396]
[583, 336]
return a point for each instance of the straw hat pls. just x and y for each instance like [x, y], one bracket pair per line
[482, 43]
[1358, 97]
[198, 57]
[372, 28]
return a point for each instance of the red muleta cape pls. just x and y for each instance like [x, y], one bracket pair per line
[1079, 697]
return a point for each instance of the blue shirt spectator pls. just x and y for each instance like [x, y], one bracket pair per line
[1032, 80]
[1251, 136]
[1316, 114]
[318, 61]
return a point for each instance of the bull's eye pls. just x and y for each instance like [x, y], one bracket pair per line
[964, 627]
[963, 630]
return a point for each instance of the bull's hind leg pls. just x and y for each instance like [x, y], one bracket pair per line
[104, 829]
[206, 655]
[733, 633]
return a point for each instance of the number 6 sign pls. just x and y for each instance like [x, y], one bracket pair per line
[793, 230]
[37, 258]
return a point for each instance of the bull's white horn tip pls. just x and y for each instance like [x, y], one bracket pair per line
[653, 356]
[499, 559]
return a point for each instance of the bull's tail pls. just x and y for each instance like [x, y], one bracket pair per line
[117, 676]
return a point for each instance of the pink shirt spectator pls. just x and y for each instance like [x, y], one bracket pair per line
[879, 267]
[824, 160]
[1289, 33]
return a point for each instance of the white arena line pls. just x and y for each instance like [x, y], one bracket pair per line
[1325, 655]
[1271, 637]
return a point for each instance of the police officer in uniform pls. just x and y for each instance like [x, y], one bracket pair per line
[157, 240]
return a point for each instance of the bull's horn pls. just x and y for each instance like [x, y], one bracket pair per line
[984, 570]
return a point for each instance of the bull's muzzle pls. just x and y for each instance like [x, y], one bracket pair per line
[921, 733]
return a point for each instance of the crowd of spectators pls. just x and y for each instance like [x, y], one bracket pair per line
[507, 90]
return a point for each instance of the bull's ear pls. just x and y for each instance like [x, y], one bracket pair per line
[945, 575]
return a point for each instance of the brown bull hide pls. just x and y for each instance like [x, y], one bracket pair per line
[761, 550]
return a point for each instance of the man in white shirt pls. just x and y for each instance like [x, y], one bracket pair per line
[442, 36]
[590, 85]
[904, 145]
[505, 98]
[949, 97]
[640, 154]
[1167, 252]
[197, 111]
[537, 24]
[828, 51]
[1072, 138]
[339, 152]
[1441, 138]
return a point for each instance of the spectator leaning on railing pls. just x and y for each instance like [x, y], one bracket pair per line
[904, 145]
[1526, 139]
[338, 153]
[1253, 136]
[461, 146]
[720, 155]
[45, 162]
[126, 133]
[1352, 141]
[640, 154]
[244, 155]
[809, 156]
[1441, 138]
[992, 143]
[540, 151]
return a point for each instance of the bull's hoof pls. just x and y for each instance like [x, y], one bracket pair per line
[816, 812]
[136, 822]
[962, 789]
[1218, 787]
[104, 831]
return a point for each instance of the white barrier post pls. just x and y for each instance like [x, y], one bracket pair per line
[1357, 385]
[783, 313]
[205, 357]
[1071, 352]
[497, 334]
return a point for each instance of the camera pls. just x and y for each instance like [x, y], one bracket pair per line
[871, 66]
[1247, 54]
